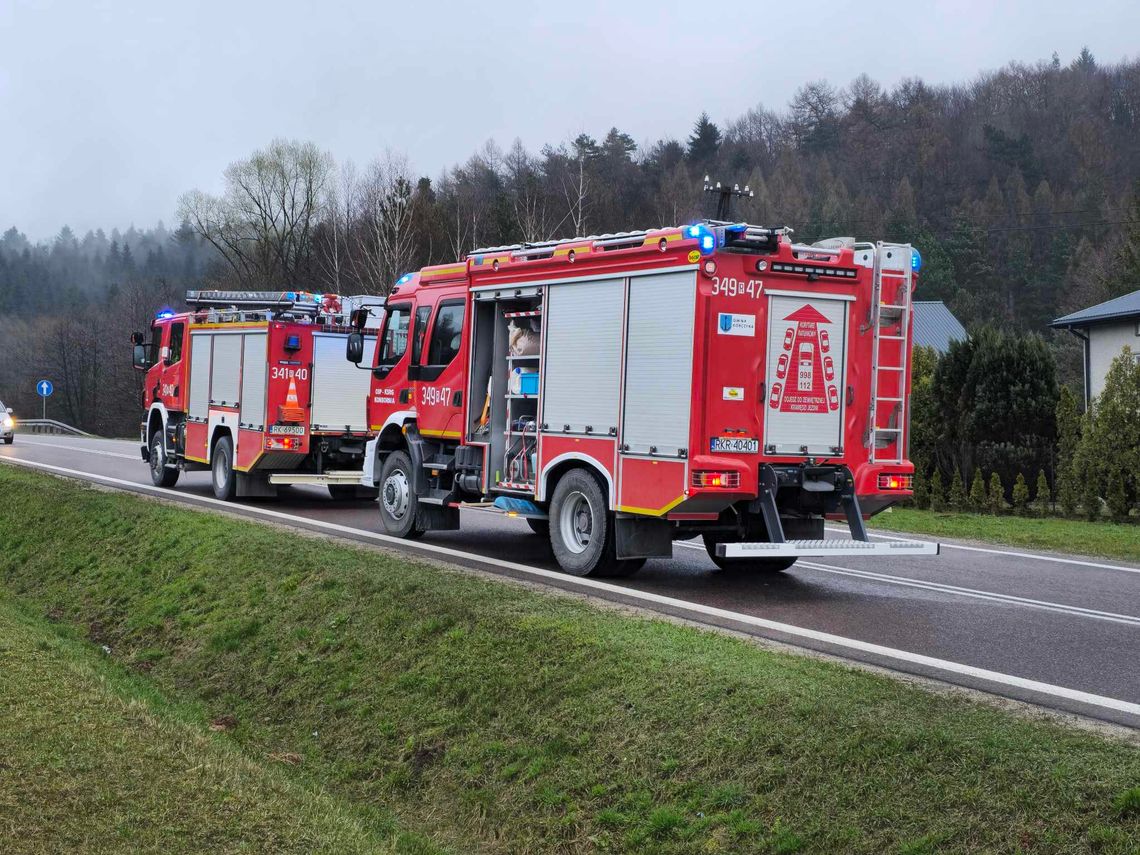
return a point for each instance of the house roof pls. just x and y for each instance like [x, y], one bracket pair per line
[1120, 308]
[935, 325]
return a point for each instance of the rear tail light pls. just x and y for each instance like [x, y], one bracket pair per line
[893, 481]
[729, 480]
[283, 443]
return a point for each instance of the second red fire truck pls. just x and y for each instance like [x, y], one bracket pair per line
[625, 391]
[253, 387]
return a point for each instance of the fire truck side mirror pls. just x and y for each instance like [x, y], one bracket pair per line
[139, 358]
[354, 348]
[358, 318]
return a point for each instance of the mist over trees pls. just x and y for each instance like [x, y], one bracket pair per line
[1019, 187]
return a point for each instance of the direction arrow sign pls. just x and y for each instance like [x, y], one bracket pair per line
[44, 388]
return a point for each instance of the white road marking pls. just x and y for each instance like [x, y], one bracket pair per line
[973, 593]
[137, 457]
[955, 590]
[963, 547]
[947, 666]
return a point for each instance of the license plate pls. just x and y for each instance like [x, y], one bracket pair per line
[293, 430]
[735, 445]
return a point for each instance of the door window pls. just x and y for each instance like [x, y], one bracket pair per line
[446, 334]
[423, 313]
[155, 344]
[176, 333]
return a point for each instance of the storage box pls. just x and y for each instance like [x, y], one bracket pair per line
[528, 383]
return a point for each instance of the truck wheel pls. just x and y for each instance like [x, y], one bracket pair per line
[398, 500]
[539, 527]
[743, 565]
[161, 475]
[582, 531]
[222, 465]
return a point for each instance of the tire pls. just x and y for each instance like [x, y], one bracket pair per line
[742, 565]
[8, 440]
[224, 478]
[398, 500]
[161, 475]
[539, 527]
[582, 529]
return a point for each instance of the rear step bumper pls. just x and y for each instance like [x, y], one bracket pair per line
[346, 477]
[825, 548]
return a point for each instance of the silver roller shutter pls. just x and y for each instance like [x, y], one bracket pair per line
[582, 368]
[253, 381]
[198, 406]
[659, 363]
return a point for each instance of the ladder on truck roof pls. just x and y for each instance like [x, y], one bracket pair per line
[893, 279]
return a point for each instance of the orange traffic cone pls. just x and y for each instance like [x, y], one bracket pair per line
[291, 410]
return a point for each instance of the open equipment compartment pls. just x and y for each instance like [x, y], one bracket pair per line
[504, 420]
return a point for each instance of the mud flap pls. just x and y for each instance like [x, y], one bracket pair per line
[641, 537]
[430, 517]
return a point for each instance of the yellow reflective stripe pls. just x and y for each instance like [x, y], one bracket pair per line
[630, 509]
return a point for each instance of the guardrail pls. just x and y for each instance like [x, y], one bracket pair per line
[49, 426]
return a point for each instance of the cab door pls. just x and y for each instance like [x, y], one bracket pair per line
[172, 370]
[438, 354]
[392, 390]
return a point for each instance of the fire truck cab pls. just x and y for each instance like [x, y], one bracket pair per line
[624, 391]
[253, 387]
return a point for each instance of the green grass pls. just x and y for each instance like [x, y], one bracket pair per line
[95, 760]
[492, 718]
[1100, 539]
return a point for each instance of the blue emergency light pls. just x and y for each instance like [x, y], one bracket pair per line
[915, 260]
[165, 314]
[707, 240]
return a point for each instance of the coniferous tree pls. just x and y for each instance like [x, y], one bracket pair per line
[978, 501]
[957, 498]
[1042, 497]
[937, 496]
[704, 142]
[1020, 495]
[995, 499]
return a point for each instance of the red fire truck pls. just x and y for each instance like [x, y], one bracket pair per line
[625, 391]
[254, 387]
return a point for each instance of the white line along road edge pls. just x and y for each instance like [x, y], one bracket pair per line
[565, 580]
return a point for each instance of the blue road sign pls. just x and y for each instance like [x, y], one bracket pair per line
[44, 388]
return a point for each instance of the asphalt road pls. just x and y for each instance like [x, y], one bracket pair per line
[1055, 630]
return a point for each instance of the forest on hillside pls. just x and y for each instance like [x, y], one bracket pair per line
[1020, 187]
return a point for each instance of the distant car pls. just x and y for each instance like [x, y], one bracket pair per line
[7, 424]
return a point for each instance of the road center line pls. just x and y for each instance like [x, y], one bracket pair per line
[683, 606]
[955, 590]
[1011, 553]
[40, 444]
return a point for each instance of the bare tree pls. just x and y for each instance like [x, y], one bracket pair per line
[386, 242]
[263, 224]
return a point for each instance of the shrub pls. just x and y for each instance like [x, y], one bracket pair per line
[995, 500]
[957, 492]
[1043, 496]
[1020, 495]
[1067, 494]
[978, 501]
[937, 494]
[921, 491]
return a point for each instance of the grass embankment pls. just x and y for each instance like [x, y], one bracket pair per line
[1075, 537]
[494, 718]
[93, 759]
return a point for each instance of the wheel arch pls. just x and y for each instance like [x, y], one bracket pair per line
[563, 463]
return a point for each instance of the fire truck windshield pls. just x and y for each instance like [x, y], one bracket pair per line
[394, 336]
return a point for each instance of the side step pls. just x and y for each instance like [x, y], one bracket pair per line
[347, 477]
[825, 548]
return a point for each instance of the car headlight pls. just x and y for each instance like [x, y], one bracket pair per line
[9, 422]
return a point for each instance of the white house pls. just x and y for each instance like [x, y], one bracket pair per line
[1105, 329]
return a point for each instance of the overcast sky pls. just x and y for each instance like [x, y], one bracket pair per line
[110, 110]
